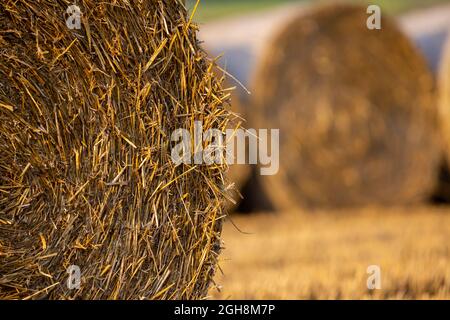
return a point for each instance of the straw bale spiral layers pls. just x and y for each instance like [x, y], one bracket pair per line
[356, 111]
[86, 175]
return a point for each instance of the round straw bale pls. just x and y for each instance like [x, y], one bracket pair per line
[356, 111]
[87, 184]
[442, 189]
[444, 97]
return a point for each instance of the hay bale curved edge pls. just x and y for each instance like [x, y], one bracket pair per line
[86, 177]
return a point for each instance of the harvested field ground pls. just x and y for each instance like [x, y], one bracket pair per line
[325, 255]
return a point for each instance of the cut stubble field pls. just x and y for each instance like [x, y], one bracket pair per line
[325, 255]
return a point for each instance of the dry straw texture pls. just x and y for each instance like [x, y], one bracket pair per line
[86, 176]
[356, 110]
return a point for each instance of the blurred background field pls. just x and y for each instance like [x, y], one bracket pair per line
[324, 254]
